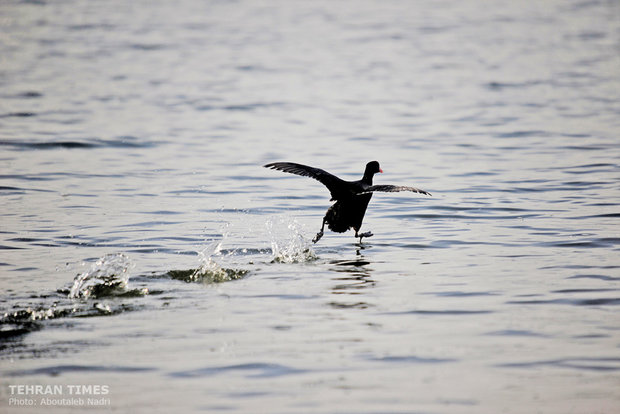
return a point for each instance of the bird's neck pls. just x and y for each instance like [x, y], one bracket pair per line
[367, 178]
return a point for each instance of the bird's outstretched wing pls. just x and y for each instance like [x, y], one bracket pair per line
[393, 189]
[336, 186]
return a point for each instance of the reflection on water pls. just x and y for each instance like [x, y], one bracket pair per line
[144, 246]
[355, 278]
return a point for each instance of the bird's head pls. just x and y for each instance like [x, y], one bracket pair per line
[372, 168]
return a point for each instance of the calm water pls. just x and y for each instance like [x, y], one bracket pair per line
[144, 248]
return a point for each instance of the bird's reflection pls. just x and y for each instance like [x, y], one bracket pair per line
[353, 278]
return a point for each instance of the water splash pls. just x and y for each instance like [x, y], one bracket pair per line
[209, 271]
[288, 245]
[108, 276]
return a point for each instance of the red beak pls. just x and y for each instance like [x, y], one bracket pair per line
[380, 170]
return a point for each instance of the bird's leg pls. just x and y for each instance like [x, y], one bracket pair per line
[320, 233]
[366, 234]
[318, 236]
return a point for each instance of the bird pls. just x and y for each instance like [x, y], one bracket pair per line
[351, 197]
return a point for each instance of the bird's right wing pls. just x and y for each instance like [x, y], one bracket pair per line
[393, 188]
[335, 185]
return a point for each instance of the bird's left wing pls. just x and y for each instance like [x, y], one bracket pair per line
[335, 185]
[392, 189]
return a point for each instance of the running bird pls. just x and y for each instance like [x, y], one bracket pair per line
[352, 197]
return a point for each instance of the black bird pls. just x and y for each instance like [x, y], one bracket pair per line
[352, 197]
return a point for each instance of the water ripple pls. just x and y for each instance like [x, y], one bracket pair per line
[442, 312]
[512, 332]
[123, 142]
[566, 301]
[410, 359]
[56, 370]
[580, 363]
[252, 370]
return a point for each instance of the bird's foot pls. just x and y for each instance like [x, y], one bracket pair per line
[366, 234]
[317, 237]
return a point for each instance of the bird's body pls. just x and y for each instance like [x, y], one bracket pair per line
[352, 197]
[347, 213]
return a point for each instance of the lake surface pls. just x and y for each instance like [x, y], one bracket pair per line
[148, 258]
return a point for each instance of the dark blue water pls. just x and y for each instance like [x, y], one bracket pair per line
[144, 248]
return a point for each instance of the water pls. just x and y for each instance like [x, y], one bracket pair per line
[145, 249]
